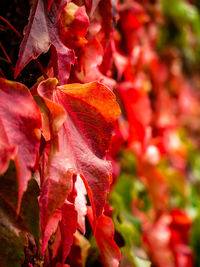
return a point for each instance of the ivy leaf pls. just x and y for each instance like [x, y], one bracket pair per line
[108, 11]
[36, 39]
[86, 133]
[68, 227]
[50, 228]
[41, 33]
[125, 223]
[52, 197]
[79, 251]
[91, 61]
[13, 230]
[135, 100]
[21, 125]
[72, 35]
[156, 184]
[30, 210]
[53, 117]
[12, 243]
[104, 235]
[7, 151]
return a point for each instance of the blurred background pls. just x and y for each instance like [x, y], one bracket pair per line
[151, 60]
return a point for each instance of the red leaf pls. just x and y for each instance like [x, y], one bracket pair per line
[136, 101]
[41, 32]
[21, 120]
[36, 39]
[156, 184]
[49, 4]
[70, 31]
[7, 152]
[53, 116]
[180, 227]
[52, 196]
[79, 251]
[68, 227]
[156, 237]
[92, 60]
[62, 59]
[165, 110]
[108, 11]
[86, 133]
[104, 235]
[132, 15]
[55, 189]
[56, 177]
[167, 238]
[50, 229]
[56, 244]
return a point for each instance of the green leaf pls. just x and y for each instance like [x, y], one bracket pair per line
[12, 242]
[195, 239]
[28, 219]
[125, 223]
[14, 229]
[142, 263]
[30, 209]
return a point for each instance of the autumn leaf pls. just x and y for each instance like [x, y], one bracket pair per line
[21, 125]
[52, 197]
[42, 32]
[7, 151]
[79, 251]
[86, 133]
[72, 35]
[91, 61]
[156, 184]
[156, 237]
[135, 100]
[13, 230]
[104, 235]
[50, 228]
[68, 227]
[12, 253]
[36, 39]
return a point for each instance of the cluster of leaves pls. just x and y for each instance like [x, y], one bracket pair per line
[67, 154]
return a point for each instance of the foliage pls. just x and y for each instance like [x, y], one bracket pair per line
[99, 137]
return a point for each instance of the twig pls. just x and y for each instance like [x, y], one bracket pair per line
[41, 69]
[5, 60]
[2, 74]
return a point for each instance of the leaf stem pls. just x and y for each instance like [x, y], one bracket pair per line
[5, 53]
[12, 27]
[41, 69]
[2, 74]
[21, 37]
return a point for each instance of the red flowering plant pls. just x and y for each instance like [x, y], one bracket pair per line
[99, 143]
